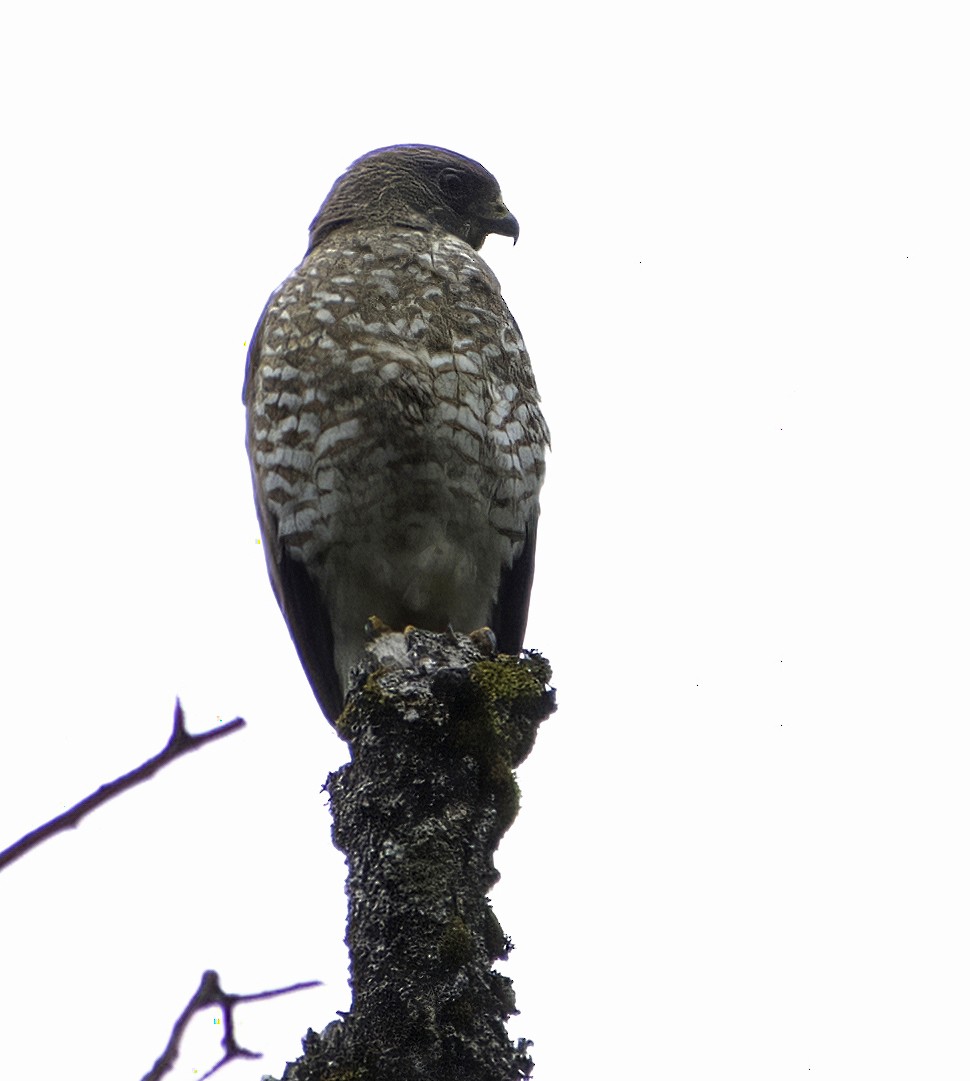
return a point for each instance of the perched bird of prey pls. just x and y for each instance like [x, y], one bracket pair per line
[393, 422]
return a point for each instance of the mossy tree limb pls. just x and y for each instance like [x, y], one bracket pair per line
[419, 811]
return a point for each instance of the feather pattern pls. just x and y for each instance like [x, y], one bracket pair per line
[393, 423]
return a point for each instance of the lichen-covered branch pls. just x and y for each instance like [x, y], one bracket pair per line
[419, 811]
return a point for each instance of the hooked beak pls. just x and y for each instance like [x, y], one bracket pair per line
[488, 217]
[504, 226]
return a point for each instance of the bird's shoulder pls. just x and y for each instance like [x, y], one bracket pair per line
[378, 269]
[386, 289]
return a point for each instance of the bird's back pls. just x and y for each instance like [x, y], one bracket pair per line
[396, 445]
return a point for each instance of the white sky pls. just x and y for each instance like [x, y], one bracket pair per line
[743, 279]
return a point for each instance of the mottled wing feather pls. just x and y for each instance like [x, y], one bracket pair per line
[303, 607]
[396, 445]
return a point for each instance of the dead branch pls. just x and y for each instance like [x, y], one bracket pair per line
[209, 993]
[180, 742]
[435, 736]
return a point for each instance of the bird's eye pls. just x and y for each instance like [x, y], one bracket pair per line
[451, 183]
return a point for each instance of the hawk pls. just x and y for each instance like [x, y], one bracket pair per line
[393, 423]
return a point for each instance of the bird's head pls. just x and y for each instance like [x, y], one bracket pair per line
[420, 186]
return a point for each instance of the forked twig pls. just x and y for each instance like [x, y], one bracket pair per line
[209, 993]
[180, 742]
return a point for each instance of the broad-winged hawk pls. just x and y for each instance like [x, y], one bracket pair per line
[394, 431]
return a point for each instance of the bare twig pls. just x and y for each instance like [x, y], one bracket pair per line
[179, 742]
[209, 994]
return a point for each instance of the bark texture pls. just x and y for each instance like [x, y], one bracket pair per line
[419, 811]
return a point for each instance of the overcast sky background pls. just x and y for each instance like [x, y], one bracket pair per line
[743, 280]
